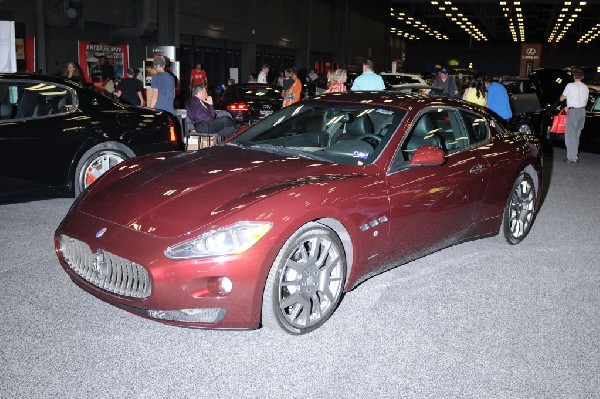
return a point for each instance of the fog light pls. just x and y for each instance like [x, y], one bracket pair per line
[220, 285]
[203, 315]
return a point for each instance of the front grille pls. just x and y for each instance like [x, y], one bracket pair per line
[106, 270]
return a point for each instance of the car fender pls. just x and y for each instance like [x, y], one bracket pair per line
[344, 215]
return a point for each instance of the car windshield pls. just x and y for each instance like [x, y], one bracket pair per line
[352, 134]
[258, 92]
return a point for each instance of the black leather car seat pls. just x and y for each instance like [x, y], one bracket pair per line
[424, 133]
[356, 129]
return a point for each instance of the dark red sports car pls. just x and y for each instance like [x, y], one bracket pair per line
[274, 226]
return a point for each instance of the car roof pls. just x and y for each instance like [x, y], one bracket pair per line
[35, 76]
[395, 99]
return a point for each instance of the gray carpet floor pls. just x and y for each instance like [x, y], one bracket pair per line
[478, 320]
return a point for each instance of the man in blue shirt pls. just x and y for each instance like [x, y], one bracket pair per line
[497, 98]
[163, 87]
[368, 80]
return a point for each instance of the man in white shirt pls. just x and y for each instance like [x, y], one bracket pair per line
[263, 74]
[576, 94]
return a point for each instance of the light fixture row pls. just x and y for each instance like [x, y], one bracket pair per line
[514, 13]
[452, 12]
[590, 35]
[411, 21]
[565, 20]
[403, 34]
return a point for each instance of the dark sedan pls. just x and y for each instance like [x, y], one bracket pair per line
[523, 97]
[550, 84]
[275, 225]
[57, 137]
[250, 102]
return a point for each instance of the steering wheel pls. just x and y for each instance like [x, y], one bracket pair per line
[371, 136]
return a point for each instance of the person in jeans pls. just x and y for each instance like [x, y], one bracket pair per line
[163, 87]
[201, 112]
[576, 94]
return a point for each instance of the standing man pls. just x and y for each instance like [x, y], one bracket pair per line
[368, 80]
[263, 74]
[162, 88]
[446, 83]
[293, 94]
[130, 89]
[576, 94]
[197, 77]
[108, 71]
[497, 98]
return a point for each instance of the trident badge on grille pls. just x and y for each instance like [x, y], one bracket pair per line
[99, 264]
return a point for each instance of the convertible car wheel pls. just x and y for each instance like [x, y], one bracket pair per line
[94, 164]
[305, 283]
[519, 211]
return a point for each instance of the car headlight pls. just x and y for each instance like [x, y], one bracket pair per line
[229, 240]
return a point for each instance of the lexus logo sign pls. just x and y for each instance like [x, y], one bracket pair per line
[530, 53]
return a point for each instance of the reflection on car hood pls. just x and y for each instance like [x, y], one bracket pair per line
[549, 84]
[184, 193]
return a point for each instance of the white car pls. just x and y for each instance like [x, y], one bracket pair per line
[396, 79]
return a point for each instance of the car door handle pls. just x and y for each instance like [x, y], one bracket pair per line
[477, 169]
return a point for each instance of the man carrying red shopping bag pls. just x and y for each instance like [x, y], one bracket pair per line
[576, 94]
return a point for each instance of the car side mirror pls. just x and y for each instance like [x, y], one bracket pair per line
[428, 155]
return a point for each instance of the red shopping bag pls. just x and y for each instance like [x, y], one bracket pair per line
[559, 122]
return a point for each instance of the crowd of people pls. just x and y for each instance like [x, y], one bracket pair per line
[483, 91]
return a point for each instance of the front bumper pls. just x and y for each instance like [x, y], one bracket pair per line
[224, 292]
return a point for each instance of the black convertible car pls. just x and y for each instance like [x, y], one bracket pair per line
[549, 84]
[57, 137]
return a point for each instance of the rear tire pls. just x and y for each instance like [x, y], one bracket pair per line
[519, 211]
[306, 281]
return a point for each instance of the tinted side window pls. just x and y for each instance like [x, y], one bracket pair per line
[476, 126]
[20, 100]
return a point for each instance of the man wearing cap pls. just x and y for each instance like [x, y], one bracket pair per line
[162, 90]
[446, 83]
[130, 89]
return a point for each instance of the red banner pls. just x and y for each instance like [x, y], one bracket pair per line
[116, 55]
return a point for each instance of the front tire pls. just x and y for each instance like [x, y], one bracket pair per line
[519, 211]
[306, 281]
[93, 164]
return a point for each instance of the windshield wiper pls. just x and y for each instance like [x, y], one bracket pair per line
[276, 149]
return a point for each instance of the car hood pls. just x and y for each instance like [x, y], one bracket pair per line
[549, 84]
[180, 194]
